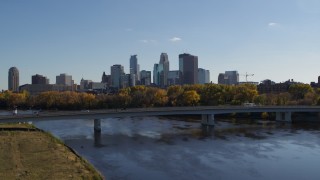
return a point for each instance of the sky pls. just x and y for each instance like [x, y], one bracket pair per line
[272, 39]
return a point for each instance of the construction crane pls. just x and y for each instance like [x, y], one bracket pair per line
[246, 75]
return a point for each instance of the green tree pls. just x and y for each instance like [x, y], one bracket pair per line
[298, 91]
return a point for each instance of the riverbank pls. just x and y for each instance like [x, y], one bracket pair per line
[28, 153]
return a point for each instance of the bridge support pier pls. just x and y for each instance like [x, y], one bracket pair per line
[207, 119]
[283, 116]
[97, 125]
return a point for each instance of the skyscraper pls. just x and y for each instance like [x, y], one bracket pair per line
[188, 66]
[157, 70]
[64, 79]
[117, 76]
[164, 61]
[145, 77]
[134, 67]
[174, 78]
[13, 79]
[203, 76]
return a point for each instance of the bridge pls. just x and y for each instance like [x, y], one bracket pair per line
[283, 113]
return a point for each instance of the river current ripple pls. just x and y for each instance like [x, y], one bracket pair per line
[167, 148]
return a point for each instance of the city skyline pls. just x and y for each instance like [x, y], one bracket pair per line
[270, 39]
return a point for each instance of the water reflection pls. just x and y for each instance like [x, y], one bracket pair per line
[161, 148]
[97, 139]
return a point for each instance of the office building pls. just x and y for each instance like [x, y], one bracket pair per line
[229, 78]
[222, 78]
[145, 78]
[13, 79]
[203, 76]
[117, 76]
[39, 79]
[85, 84]
[64, 79]
[106, 79]
[174, 78]
[188, 66]
[35, 89]
[163, 75]
[135, 68]
[157, 70]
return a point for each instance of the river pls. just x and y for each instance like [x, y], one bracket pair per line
[167, 148]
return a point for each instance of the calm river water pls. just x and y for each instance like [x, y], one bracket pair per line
[163, 148]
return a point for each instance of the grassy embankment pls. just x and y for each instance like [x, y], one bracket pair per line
[26, 153]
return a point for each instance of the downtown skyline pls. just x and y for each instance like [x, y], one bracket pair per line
[270, 39]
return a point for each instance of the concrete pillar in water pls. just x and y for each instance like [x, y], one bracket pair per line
[278, 116]
[97, 139]
[283, 116]
[287, 117]
[207, 119]
[97, 125]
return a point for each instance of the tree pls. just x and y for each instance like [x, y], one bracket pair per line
[175, 95]
[160, 97]
[298, 91]
[190, 98]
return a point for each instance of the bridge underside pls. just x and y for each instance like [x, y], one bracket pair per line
[283, 116]
[207, 119]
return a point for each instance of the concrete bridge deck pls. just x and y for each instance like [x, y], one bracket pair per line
[283, 112]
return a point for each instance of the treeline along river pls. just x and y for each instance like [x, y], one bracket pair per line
[168, 148]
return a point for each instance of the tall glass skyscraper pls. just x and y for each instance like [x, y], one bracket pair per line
[13, 79]
[188, 66]
[164, 61]
[117, 76]
[134, 67]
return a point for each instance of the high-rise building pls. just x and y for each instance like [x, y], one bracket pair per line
[13, 79]
[117, 76]
[203, 76]
[222, 78]
[39, 79]
[64, 79]
[157, 70]
[229, 78]
[233, 77]
[145, 77]
[174, 78]
[135, 68]
[164, 61]
[106, 79]
[85, 84]
[188, 66]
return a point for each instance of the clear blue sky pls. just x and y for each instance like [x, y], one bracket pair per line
[273, 39]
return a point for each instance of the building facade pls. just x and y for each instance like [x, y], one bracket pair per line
[188, 67]
[157, 70]
[145, 77]
[203, 76]
[35, 89]
[135, 68]
[117, 76]
[163, 75]
[174, 78]
[64, 79]
[13, 79]
[106, 79]
[229, 78]
[85, 84]
[39, 79]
